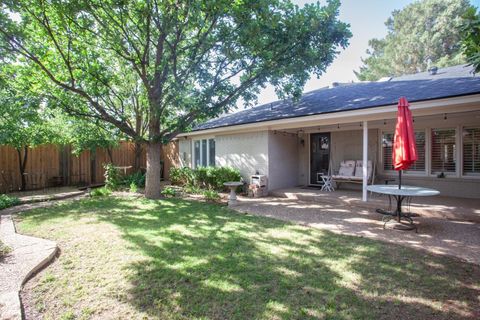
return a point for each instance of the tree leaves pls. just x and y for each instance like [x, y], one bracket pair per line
[471, 37]
[187, 60]
[424, 33]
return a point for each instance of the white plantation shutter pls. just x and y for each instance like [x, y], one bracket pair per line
[444, 150]
[471, 151]
[387, 148]
[419, 165]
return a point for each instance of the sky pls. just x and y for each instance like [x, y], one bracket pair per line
[367, 20]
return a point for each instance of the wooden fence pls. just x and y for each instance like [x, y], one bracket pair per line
[50, 165]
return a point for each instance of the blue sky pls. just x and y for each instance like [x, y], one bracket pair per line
[367, 20]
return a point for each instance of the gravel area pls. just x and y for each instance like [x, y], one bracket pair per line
[456, 237]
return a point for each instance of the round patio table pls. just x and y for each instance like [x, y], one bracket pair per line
[400, 195]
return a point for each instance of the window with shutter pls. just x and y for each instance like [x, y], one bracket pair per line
[444, 151]
[471, 151]
[387, 149]
[419, 165]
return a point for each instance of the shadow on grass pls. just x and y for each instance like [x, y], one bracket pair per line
[204, 261]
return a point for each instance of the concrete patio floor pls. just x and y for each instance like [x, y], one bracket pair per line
[447, 226]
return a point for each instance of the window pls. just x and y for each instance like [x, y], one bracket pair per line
[443, 151]
[471, 151]
[211, 152]
[387, 149]
[197, 153]
[204, 152]
[419, 165]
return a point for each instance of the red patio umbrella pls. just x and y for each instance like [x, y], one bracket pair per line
[404, 146]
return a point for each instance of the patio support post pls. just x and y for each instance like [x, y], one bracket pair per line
[365, 161]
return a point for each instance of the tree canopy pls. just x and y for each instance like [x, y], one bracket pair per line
[423, 34]
[169, 62]
[471, 38]
[23, 124]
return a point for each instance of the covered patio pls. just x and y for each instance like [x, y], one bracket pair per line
[446, 225]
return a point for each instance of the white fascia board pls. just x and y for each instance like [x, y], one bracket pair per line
[422, 108]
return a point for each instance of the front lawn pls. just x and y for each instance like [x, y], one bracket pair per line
[174, 259]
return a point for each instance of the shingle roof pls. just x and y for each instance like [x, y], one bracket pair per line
[448, 82]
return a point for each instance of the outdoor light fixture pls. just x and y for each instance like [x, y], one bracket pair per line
[444, 116]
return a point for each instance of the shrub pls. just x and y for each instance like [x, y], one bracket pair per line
[8, 201]
[220, 175]
[182, 176]
[138, 178]
[133, 187]
[112, 177]
[169, 192]
[192, 190]
[211, 195]
[204, 177]
[4, 250]
[100, 192]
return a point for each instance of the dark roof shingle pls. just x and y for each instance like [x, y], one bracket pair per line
[448, 82]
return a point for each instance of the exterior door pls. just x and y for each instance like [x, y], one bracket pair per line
[319, 156]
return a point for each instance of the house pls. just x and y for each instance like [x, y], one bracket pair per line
[294, 142]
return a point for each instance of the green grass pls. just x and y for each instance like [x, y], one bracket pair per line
[176, 259]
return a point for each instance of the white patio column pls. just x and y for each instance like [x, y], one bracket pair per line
[365, 161]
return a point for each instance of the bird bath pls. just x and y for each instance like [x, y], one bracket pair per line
[232, 185]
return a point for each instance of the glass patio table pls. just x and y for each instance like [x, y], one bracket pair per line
[400, 195]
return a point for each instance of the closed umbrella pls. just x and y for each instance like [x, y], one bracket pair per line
[404, 146]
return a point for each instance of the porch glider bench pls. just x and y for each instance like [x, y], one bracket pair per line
[351, 171]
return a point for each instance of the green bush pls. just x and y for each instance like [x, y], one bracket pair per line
[204, 177]
[100, 192]
[8, 201]
[113, 179]
[211, 195]
[4, 250]
[220, 175]
[192, 190]
[169, 192]
[137, 178]
[182, 176]
[133, 187]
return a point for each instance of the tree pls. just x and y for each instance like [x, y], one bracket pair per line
[471, 38]
[423, 34]
[22, 123]
[192, 60]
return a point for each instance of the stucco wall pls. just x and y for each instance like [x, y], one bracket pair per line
[246, 151]
[282, 161]
[185, 152]
[348, 145]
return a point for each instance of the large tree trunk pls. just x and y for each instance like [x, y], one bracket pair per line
[152, 184]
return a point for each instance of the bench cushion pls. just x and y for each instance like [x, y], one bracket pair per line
[359, 169]
[347, 168]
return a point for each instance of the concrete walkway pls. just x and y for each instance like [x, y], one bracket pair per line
[29, 254]
[455, 235]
